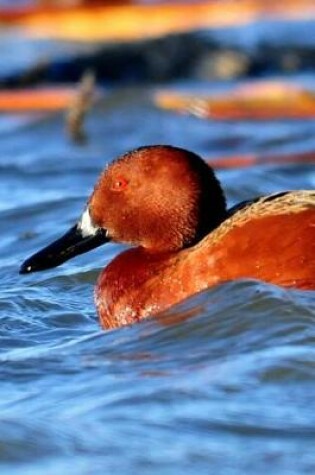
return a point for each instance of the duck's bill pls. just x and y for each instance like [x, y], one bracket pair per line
[71, 244]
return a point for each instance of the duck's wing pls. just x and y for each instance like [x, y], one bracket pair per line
[271, 239]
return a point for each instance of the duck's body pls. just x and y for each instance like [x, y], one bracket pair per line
[138, 283]
[167, 203]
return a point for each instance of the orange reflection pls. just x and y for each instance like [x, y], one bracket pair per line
[133, 21]
[263, 101]
[26, 100]
[243, 161]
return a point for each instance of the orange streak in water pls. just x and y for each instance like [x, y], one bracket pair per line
[261, 101]
[243, 161]
[35, 100]
[126, 22]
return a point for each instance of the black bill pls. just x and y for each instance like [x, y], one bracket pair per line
[68, 246]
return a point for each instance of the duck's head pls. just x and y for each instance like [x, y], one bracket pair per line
[159, 197]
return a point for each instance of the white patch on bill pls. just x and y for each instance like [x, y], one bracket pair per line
[86, 225]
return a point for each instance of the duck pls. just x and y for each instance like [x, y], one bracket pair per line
[167, 204]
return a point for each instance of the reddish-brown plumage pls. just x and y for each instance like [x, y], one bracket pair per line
[272, 239]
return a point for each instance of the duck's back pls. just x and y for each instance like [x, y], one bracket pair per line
[272, 239]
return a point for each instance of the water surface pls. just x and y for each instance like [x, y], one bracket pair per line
[222, 383]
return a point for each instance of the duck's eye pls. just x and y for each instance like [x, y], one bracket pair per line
[119, 184]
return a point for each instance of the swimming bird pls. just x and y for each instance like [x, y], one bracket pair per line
[168, 205]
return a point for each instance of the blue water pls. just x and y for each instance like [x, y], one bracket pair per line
[222, 383]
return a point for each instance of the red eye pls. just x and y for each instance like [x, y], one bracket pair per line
[119, 184]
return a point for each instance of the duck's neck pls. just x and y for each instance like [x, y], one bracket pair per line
[212, 209]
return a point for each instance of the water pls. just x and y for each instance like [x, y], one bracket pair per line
[222, 383]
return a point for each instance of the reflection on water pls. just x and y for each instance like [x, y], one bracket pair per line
[224, 382]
